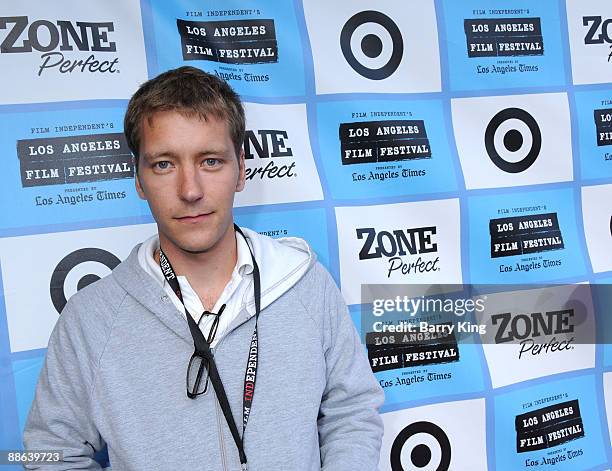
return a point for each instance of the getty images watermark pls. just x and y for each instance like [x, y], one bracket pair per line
[536, 318]
[413, 306]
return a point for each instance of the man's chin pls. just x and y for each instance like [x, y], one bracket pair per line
[193, 247]
[195, 250]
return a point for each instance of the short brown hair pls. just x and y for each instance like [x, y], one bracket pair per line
[189, 91]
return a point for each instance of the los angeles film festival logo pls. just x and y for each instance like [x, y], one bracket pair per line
[598, 33]
[428, 339]
[526, 235]
[419, 242]
[432, 345]
[60, 41]
[504, 38]
[549, 427]
[270, 147]
[74, 159]
[603, 127]
[383, 142]
[251, 41]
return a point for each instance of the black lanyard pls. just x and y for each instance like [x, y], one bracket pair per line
[203, 349]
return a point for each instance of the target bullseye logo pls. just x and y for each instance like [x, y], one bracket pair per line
[77, 270]
[372, 44]
[421, 446]
[513, 140]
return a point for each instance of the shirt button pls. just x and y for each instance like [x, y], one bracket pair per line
[164, 298]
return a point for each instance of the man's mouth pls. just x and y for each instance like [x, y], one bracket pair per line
[193, 218]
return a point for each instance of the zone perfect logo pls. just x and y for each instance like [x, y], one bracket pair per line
[598, 32]
[504, 37]
[383, 141]
[251, 41]
[393, 245]
[416, 242]
[590, 33]
[74, 159]
[272, 146]
[279, 167]
[54, 38]
[526, 328]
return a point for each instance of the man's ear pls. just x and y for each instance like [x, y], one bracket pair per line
[139, 189]
[241, 172]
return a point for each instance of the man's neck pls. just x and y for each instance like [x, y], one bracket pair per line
[207, 272]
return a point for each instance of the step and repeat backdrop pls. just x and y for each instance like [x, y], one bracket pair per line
[410, 142]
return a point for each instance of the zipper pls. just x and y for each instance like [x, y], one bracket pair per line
[218, 411]
[221, 439]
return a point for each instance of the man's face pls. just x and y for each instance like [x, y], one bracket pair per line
[188, 173]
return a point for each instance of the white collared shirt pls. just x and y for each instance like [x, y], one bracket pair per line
[233, 294]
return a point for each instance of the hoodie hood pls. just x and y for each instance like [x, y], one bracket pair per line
[282, 262]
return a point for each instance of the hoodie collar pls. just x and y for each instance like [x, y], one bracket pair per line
[282, 263]
[148, 292]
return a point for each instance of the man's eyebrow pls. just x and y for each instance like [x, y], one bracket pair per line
[217, 151]
[167, 153]
[149, 156]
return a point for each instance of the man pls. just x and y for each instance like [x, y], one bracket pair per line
[287, 385]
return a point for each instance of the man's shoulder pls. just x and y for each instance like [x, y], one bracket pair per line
[103, 294]
[317, 276]
[318, 288]
[96, 305]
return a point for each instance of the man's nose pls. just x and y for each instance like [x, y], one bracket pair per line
[190, 184]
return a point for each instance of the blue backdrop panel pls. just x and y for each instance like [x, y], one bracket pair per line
[256, 47]
[519, 45]
[595, 133]
[524, 237]
[385, 148]
[555, 425]
[310, 224]
[60, 167]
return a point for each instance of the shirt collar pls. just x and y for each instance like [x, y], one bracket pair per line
[244, 263]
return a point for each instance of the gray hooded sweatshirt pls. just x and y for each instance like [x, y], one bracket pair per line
[117, 360]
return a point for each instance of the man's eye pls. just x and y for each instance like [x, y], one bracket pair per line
[211, 162]
[162, 165]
